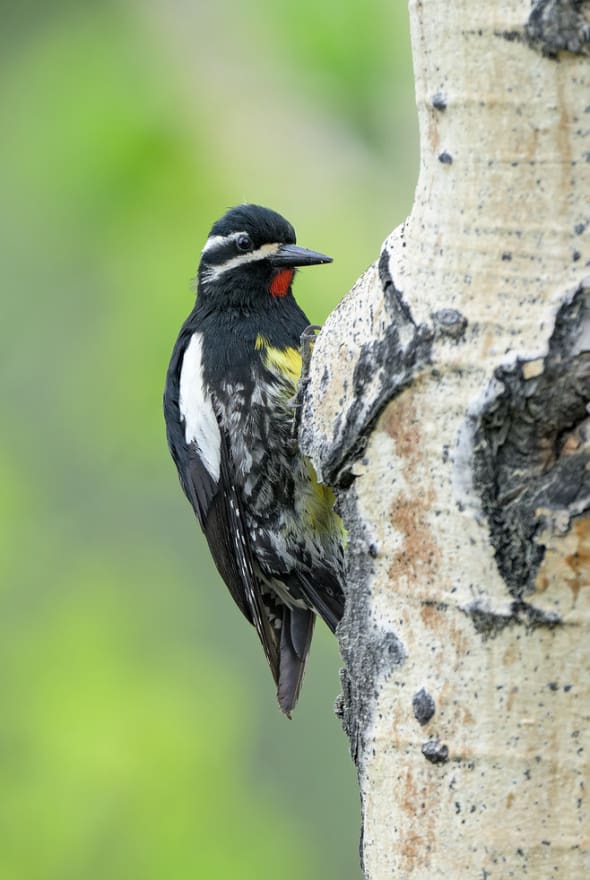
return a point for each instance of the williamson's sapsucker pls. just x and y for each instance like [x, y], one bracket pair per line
[229, 407]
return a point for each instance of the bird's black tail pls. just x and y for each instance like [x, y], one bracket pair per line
[296, 633]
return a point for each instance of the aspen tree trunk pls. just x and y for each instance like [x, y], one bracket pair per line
[448, 402]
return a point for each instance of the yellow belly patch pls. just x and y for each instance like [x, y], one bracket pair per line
[286, 361]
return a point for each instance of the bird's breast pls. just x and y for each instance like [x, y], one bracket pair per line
[257, 411]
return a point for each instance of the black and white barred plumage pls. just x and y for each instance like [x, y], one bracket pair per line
[229, 408]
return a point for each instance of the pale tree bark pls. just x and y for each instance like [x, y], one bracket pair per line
[448, 403]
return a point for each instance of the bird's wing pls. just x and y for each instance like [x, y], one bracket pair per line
[201, 451]
[224, 526]
[285, 632]
[321, 589]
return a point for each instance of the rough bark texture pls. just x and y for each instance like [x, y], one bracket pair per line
[449, 403]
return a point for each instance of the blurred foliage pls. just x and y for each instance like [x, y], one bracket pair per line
[139, 737]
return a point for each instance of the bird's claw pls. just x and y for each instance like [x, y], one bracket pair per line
[307, 342]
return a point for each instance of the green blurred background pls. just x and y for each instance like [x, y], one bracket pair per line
[139, 735]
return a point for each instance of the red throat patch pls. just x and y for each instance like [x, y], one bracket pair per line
[280, 284]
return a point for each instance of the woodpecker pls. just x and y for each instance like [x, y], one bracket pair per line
[229, 406]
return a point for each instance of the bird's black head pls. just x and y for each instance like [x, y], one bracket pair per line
[250, 255]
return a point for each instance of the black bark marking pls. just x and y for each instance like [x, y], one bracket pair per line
[450, 323]
[439, 101]
[394, 359]
[510, 36]
[555, 26]
[531, 458]
[359, 679]
[370, 654]
[559, 26]
[423, 706]
[435, 751]
[489, 624]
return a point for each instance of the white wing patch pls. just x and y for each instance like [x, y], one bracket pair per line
[196, 409]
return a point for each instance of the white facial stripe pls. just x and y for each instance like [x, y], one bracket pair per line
[215, 240]
[196, 409]
[262, 253]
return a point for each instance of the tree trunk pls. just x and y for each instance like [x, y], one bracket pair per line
[448, 403]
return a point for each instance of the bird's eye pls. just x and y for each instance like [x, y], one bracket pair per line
[244, 242]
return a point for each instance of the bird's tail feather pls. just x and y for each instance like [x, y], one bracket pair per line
[296, 633]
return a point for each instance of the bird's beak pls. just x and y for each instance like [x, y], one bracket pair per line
[292, 255]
